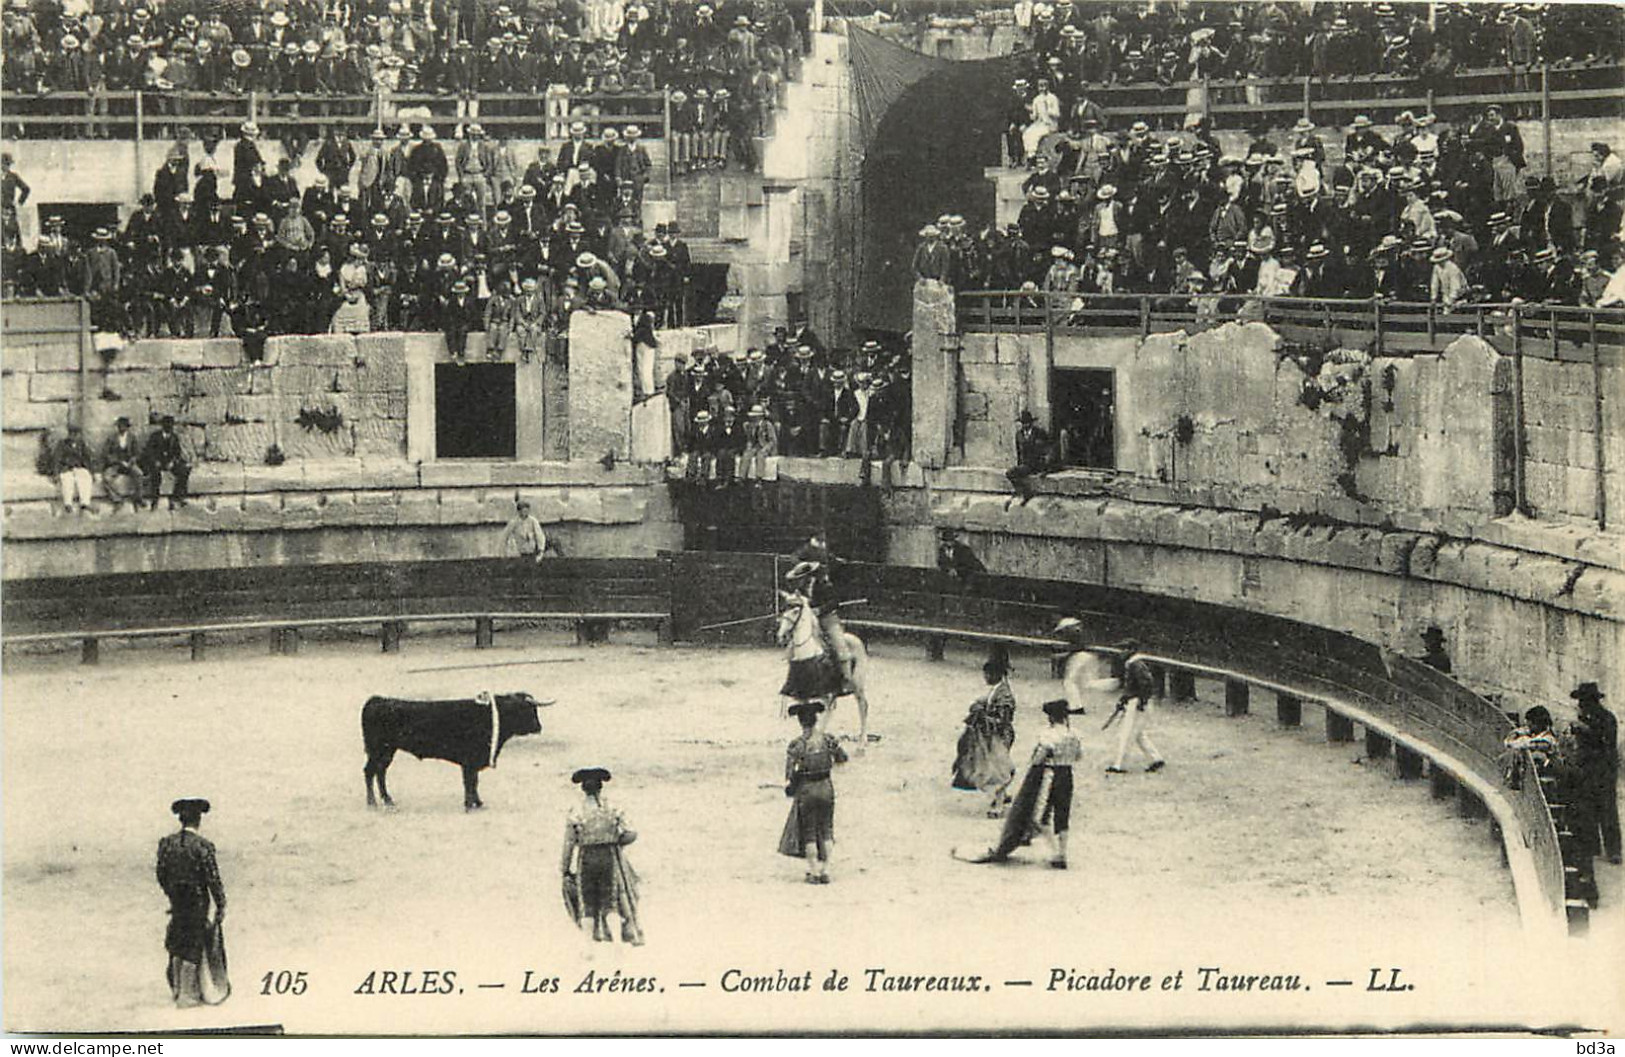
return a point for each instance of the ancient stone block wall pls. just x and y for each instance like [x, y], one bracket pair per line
[1235, 413]
[226, 409]
[340, 510]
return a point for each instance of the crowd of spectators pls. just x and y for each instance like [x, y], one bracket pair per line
[1440, 212]
[794, 397]
[725, 62]
[1073, 44]
[397, 233]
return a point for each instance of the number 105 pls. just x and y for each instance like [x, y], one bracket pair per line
[283, 983]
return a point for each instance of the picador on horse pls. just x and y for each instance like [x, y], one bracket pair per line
[811, 577]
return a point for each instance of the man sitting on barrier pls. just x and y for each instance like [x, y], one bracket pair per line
[164, 451]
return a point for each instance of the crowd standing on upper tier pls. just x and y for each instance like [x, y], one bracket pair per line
[1073, 44]
[1441, 211]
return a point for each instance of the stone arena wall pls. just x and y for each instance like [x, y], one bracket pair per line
[1427, 435]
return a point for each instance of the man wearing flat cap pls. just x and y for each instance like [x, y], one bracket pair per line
[597, 877]
[190, 877]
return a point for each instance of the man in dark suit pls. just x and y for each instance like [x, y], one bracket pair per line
[1032, 457]
[164, 451]
[1548, 220]
[1597, 751]
[190, 877]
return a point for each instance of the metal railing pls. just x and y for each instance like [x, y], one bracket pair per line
[1558, 333]
[142, 115]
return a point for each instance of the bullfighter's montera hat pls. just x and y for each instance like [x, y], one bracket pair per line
[188, 804]
[590, 774]
[808, 708]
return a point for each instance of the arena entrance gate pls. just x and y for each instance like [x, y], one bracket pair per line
[737, 591]
[778, 516]
[475, 413]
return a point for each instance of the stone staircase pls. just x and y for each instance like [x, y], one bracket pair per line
[753, 221]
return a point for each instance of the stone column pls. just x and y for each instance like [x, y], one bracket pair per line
[529, 409]
[600, 385]
[421, 352]
[936, 372]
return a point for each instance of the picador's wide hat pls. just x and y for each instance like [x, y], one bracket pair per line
[800, 571]
[188, 804]
[1587, 691]
[590, 774]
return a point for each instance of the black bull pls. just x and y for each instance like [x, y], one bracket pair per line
[456, 731]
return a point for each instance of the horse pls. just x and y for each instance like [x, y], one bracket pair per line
[798, 629]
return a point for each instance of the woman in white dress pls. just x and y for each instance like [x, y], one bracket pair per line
[1045, 110]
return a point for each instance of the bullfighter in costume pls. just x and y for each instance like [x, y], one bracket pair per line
[983, 761]
[1043, 804]
[1134, 709]
[810, 830]
[190, 877]
[598, 878]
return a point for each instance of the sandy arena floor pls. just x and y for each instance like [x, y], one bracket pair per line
[1257, 851]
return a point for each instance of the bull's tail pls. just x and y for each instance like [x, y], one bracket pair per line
[372, 734]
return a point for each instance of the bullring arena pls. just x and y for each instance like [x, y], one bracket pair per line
[1250, 832]
[1262, 363]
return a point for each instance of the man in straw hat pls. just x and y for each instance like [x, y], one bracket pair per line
[190, 877]
[1448, 285]
[598, 879]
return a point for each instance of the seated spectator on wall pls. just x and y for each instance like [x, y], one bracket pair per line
[71, 461]
[121, 473]
[1032, 457]
[164, 453]
[761, 443]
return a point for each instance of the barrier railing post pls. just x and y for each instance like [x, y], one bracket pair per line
[140, 164]
[1520, 499]
[1432, 308]
[1600, 446]
[1145, 317]
[1376, 323]
[1553, 315]
[1306, 105]
[665, 132]
[1546, 114]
